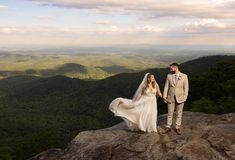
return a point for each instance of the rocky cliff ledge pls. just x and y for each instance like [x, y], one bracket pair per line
[204, 136]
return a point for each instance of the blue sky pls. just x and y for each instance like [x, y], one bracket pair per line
[99, 22]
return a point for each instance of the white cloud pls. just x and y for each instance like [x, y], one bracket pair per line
[152, 8]
[132, 30]
[222, 1]
[3, 7]
[207, 25]
[152, 28]
[200, 33]
[115, 29]
[104, 22]
[8, 29]
[47, 18]
[112, 34]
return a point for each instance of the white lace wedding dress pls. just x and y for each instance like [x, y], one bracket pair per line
[138, 115]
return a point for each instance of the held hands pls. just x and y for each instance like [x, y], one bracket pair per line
[165, 100]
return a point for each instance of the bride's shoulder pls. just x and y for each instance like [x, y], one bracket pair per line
[156, 86]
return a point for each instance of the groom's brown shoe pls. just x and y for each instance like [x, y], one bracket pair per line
[167, 130]
[178, 131]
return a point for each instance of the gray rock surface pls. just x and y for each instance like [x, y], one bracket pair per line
[204, 136]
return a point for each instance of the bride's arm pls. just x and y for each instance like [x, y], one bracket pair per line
[159, 93]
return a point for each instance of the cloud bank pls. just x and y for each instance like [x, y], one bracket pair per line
[128, 22]
[152, 8]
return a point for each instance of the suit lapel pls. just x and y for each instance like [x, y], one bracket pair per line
[173, 80]
[179, 78]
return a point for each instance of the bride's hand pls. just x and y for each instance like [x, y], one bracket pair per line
[164, 99]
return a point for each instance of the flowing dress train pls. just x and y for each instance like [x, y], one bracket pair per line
[138, 115]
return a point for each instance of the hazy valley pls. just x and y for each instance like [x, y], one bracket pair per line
[93, 63]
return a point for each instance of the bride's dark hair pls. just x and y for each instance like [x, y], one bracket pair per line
[153, 83]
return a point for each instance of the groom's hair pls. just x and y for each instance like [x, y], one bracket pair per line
[175, 65]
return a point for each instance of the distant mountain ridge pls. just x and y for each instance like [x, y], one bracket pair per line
[97, 66]
[86, 66]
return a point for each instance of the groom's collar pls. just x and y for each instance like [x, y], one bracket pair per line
[178, 74]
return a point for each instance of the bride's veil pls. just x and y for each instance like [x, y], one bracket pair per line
[141, 86]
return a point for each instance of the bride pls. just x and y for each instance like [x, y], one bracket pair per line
[140, 112]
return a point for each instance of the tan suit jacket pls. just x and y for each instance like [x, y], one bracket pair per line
[178, 90]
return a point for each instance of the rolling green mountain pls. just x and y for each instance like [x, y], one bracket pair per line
[40, 113]
[203, 64]
[67, 69]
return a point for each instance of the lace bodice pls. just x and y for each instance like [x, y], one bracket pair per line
[149, 92]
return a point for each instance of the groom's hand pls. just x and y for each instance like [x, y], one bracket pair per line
[164, 99]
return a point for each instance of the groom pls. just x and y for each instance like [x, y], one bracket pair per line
[175, 94]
